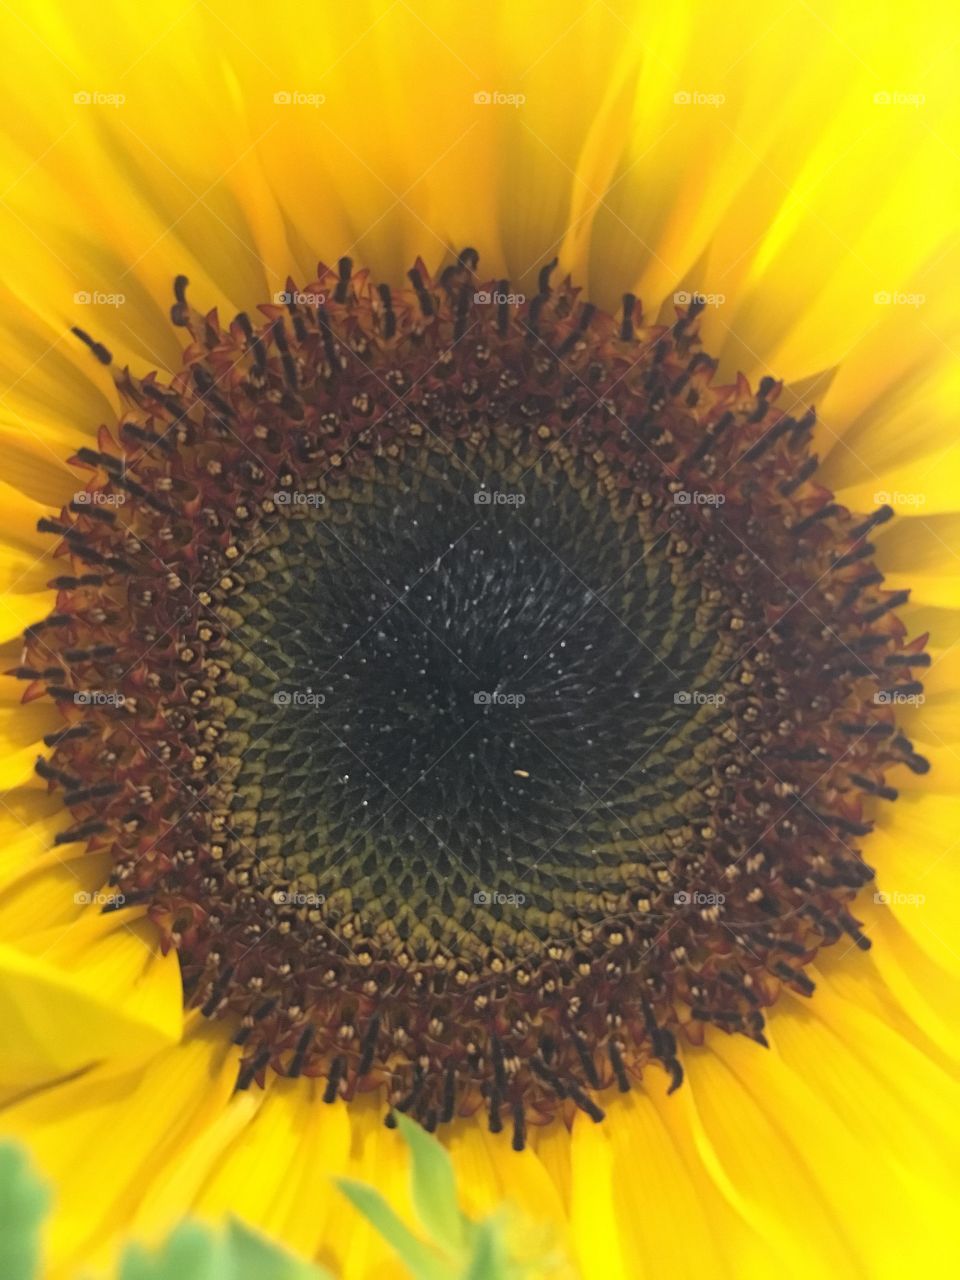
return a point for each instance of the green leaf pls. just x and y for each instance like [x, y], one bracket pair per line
[256, 1258]
[434, 1186]
[192, 1252]
[23, 1203]
[424, 1262]
[487, 1260]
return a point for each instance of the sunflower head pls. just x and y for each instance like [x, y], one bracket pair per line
[484, 684]
[420, 677]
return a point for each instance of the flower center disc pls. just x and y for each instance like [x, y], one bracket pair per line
[478, 697]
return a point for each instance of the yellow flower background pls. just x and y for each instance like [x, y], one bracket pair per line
[798, 165]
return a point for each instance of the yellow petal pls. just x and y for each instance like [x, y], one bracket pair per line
[662, 1206]
[278, 1170]
[594, 1221]
[760, 1165]
[102, 994]
[918, 879]
[44, 888]
[878, 1170]
[103, 1136]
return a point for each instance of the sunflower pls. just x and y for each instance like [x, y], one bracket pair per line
[481, 588]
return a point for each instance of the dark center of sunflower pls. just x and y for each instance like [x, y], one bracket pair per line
[477, 697]
[449, 693]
